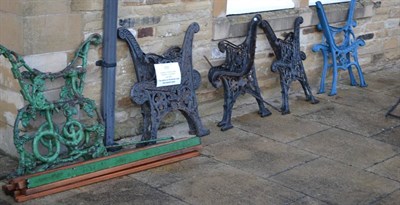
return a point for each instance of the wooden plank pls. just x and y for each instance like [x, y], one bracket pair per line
[113, 161]
[107, 171]
[22, 198]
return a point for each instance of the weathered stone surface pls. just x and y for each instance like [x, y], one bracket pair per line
[335, 183]
[352, 119]
[48, 62]
[389, 168]
[172, 173]
[384, 80]
[366, 100]
[11, 33]
[351, 149]
[276, 126]
[125, 191]
[44, 7]
[390, 136]
[11, 6]
[393, 198]
[52, 33]
[308, 200]
[8, 166]
[7, 80]
[257, 155]
[86, 5]
[226, 185]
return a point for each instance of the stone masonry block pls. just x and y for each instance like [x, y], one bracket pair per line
[11, 6]
[11, 32]
[10, 102]
[7, 140]
[391, 43]
[392, 23]
[6, 77]
[48, 62]
[394, 12]
[236, 26]
[145, 32]
[86, 5]
[44, 7]
[52, 33]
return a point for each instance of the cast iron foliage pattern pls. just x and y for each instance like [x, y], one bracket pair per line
[53, 144]
[156, 102]
[289, 62]
[342, 56]
[237, 74]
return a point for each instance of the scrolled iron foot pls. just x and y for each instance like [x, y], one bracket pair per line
[313, 101]
[226, 127]
[265, 113]
[285, 111]
[203, 132]
[221, 123]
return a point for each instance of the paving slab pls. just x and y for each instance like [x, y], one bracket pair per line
[394, 108]
[363, 99]
[383, 80]
[216, 135]
[223, 184]
[172, 173]
[392, 199]
[308, 201]
[389, 168]
[258, 155]
[283, 128]
[390, 136]
[349, 148]
[121, 191]
[395, 92]
[298, 104]
[352, 119]
[335, 183]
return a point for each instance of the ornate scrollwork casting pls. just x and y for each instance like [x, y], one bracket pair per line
[53, 143]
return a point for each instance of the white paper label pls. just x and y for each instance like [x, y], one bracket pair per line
[168, 74]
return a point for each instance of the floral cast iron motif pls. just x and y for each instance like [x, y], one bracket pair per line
[342, 56]
[156, 102]
[41, 140]
[237, 74]
[289, 62]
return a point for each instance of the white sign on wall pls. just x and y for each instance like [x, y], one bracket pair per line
[168, 74]
[251, 6]
[312, 2]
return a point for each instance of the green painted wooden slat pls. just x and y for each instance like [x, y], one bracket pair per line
[59, 175]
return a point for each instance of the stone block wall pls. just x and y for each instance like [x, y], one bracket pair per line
[47, 31]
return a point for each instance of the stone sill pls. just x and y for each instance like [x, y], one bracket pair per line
[236, 25]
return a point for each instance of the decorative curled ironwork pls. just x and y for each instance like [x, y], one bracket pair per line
[289, 62]
[342, 56]
[51, 144]
[156, 102]
[237, 74]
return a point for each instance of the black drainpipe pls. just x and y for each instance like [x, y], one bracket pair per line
[108, 68]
